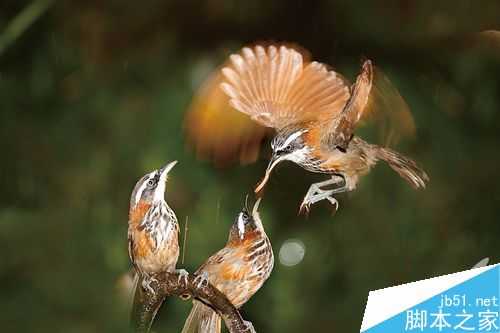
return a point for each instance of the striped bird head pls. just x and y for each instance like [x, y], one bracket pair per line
[150, 189]
[288, 145]
[246, 223]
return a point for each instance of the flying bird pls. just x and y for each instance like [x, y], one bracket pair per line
[314, 112]
[238, 270]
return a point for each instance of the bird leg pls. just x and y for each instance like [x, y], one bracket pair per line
[249, 326]
[183, 275]
[146, 284]
[317, 193]
[201, 280]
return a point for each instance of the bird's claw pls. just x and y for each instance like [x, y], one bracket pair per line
[201, 280]
[183, 276]
[249, 326]
[146, 284]
[317, 192]
[309, 200]
[305, 207]
[334, 202]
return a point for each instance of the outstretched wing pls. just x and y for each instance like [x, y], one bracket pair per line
[388, 111]
[373, 97]
[276, 88]
[217, 131]
[341, 130]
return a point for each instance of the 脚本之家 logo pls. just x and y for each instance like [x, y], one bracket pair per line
[468, 301]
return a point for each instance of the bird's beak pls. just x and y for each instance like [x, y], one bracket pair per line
[160, 189]
[272, 163]
[166, 169]
[255, 209]
[255, 215]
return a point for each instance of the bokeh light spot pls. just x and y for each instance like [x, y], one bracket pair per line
[292, 252]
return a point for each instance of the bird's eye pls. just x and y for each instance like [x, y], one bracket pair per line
[245, 215]
[151, 182]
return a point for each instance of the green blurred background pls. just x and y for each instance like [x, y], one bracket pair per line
[92, 96]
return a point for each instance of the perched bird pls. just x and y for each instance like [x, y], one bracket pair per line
[314, 112]
[238, 270]
[152, 241]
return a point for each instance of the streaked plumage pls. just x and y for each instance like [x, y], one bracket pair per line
[238, 270]
[153, 228]
[314, 112]
[152, 242]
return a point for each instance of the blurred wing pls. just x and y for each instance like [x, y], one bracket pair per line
[340, 132]
[488, 40]
[276, 88]
[217, 131]
[387, 109]
[373, 99]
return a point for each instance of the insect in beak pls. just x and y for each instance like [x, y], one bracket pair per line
[272, 163]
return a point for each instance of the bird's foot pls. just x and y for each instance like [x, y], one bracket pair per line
[183, 276]
[317, 193]
[146, 284]
[201, 280]
[311, 199]
[333, 201]
[249, 327]
[305, 206]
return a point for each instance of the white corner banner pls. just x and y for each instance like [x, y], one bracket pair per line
[468, 301]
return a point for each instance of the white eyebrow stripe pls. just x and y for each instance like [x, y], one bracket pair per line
[241, 225]
[292, 137]
[138, 194]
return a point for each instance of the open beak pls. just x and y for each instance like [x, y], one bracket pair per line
[272, 163]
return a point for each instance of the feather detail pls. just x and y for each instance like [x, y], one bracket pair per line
[405, 167]
[341, 130]
[276, 88]
[202, 319]
[217, 131]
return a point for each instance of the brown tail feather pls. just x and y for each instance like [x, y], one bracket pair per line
[405, 167]
[202, 319]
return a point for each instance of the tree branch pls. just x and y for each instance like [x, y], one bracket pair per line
[171, 284]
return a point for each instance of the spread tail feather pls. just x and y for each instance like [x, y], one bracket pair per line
[405, 167]
[202, 319]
